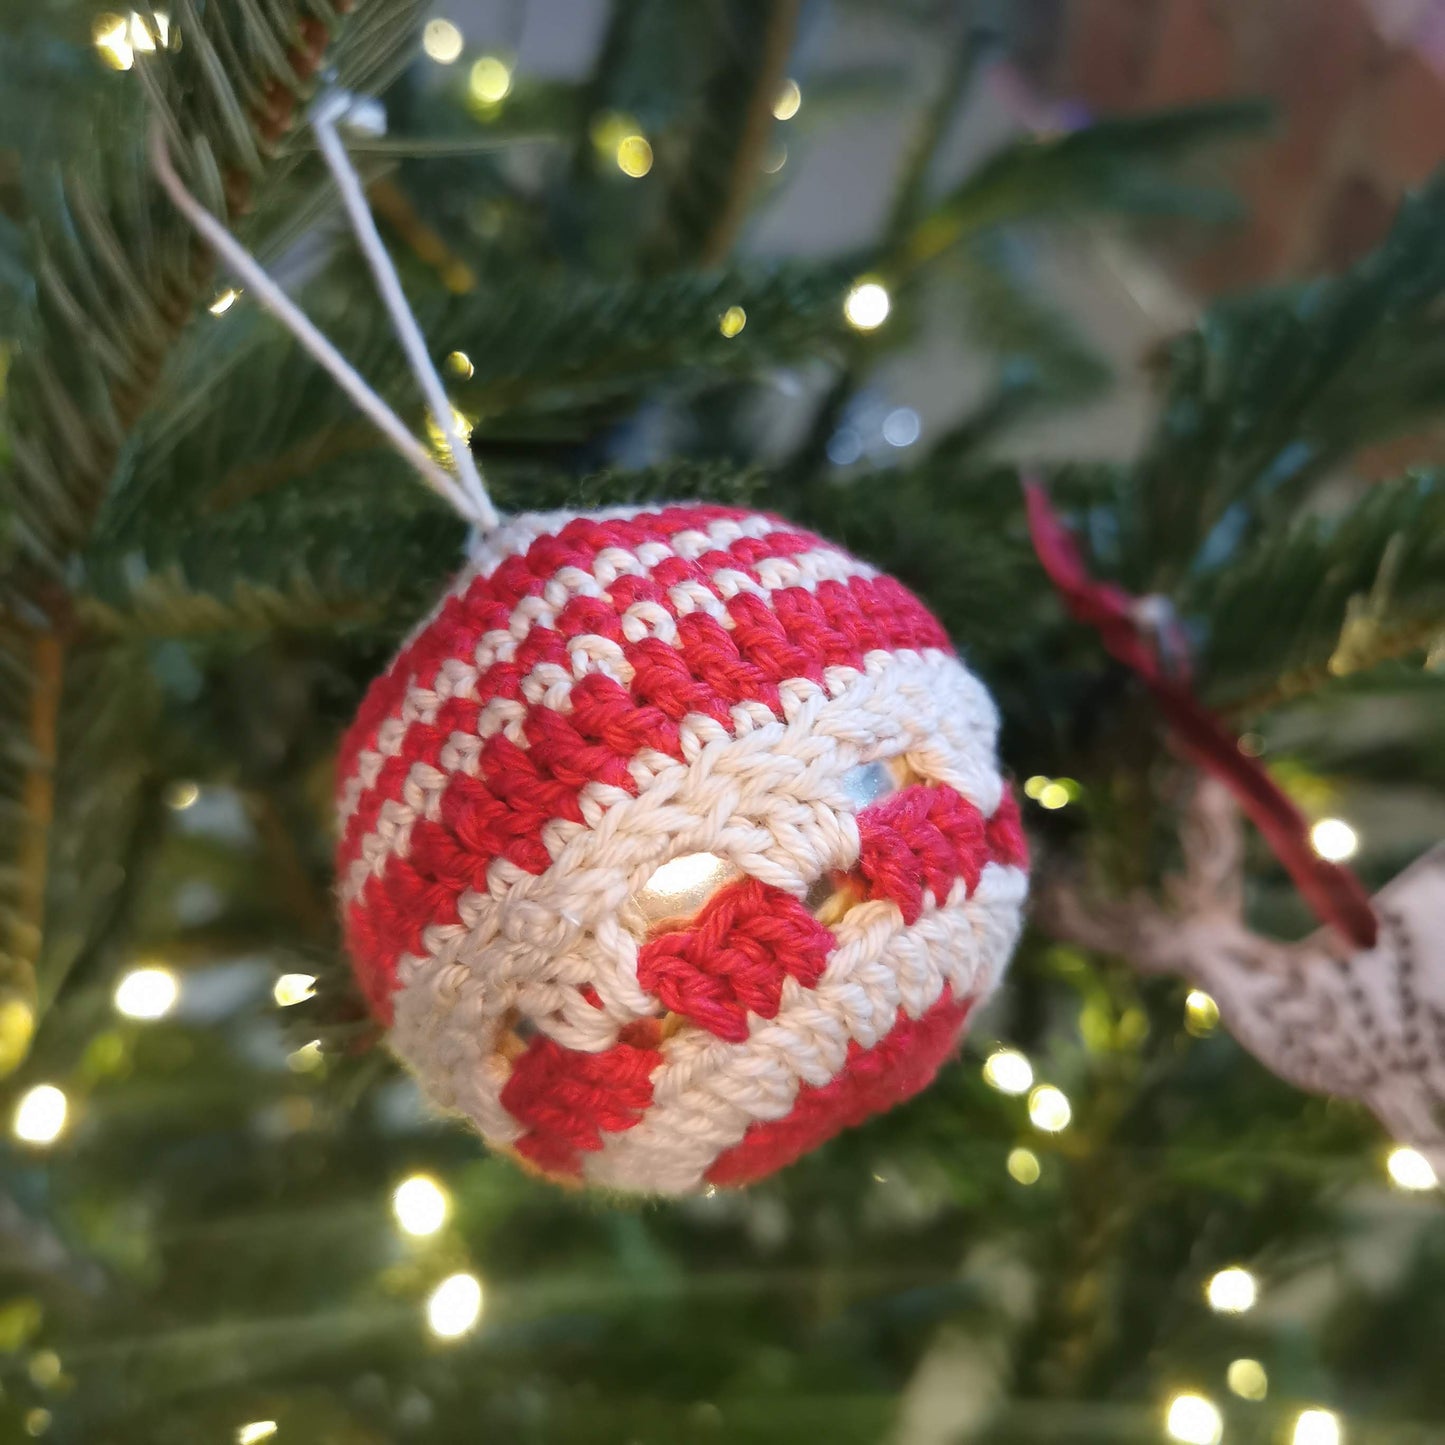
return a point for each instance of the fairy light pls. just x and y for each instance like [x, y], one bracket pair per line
[1201, 1013]
[40, 1115]
[460, 364]
[255, 1432]
[182, 795]
[490, 80]
[866, 306]
[110, 35]
[120, 38]
[147, 993]
[223, 302]
[1317, 1427]
[420, 1205]
[1023, 1166]
[1008, 1071]
[634, 156]
[1194, 1420]
[454, 1306]
[461, 423]
[902, 427]
[1232, 1291]
[1049, 1109]
[442, 41]
[141, 39]
[293, 988]
[1035, 785]
[1410, 1169]
[789, 98]
[1053, 795]
[1334, 839]
[307, 1059]
[1247, 1378]
[732, 321]
[44, 1369]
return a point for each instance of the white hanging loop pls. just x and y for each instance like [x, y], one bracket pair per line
[467, 495]
[363, 225]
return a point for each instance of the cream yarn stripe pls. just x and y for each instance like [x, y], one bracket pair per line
[854, 718]
[457, 677]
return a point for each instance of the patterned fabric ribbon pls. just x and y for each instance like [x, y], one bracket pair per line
[1332, 891]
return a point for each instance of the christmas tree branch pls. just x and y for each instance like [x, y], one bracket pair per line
[1385, 644]
[117, 276]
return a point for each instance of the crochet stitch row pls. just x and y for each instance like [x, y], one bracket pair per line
[598, 695]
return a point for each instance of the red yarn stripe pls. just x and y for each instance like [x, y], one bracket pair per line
[918, 842]
[487, 606]
[732, 960]
[873, 1080]
[1007, 842]
[568, 1100]
[707, 672]
[488, 602]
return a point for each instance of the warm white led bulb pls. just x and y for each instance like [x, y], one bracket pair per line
[1247, 1378]
[1023, 1166]
[420, 1205]
[1049, 1109]
[293, 988]
[40, 1115]
[147, 993]
[1232, 1291]
[1193, 1420]
[1410, 1169]
[1317, 1427]
[866, 306]
[454, 1306]
[442, 41]
[1008, 1071]
[1333, 838]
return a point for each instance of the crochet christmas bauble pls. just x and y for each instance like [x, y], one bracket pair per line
[674, 842]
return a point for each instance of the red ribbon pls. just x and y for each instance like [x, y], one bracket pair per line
[1333, 891]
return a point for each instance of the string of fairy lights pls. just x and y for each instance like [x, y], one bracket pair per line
[420, 1205]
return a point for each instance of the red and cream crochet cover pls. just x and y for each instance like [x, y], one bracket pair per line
[673, 843]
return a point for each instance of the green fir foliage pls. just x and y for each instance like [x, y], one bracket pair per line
[206, 554]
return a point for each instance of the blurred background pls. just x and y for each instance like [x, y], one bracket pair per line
[859, 263]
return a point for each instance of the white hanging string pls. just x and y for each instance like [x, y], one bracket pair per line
[363, 224]
[470, 496]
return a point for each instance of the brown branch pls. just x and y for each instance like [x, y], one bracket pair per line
[1391, 645]
[394, 206]
[19, 998]
[758, 124]
[47, 666]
